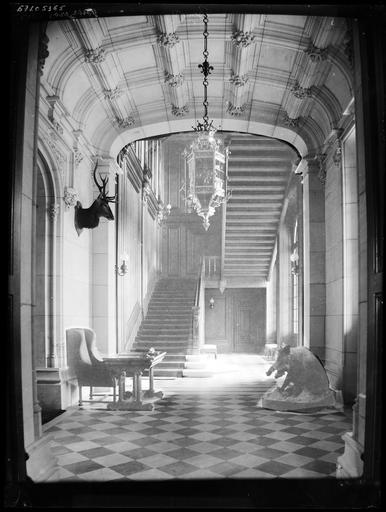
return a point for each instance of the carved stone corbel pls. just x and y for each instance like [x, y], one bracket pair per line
[70, 197]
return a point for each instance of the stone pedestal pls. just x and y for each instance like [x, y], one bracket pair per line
[56, 389]
[305, 401]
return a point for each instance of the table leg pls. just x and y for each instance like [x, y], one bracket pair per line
[150, 393]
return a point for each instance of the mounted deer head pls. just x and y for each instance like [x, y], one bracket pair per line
[89, 217]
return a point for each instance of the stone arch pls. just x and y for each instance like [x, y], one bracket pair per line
[47, 334]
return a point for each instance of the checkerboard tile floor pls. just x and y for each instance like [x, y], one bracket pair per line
[192, 434]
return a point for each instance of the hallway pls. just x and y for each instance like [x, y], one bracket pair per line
[205, 428]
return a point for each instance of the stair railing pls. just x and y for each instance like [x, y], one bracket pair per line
[198, 311]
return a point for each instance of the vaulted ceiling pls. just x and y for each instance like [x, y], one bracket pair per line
[114, 80]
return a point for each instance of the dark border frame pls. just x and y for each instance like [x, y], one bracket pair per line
[252, 494]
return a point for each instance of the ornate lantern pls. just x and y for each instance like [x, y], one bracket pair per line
[206, 167]
[206, 158]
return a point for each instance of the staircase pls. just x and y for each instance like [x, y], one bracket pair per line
[259, 169]
[167, 325]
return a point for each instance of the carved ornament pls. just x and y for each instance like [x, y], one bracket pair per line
[241, 38]
[112, 94]
[174, 80]
[300, 92]
[292, 122]
[236, 110]
[53, 211]
[78, 157]
[168, 40]
[124, 123]
[316, 54]
[95, 56]
[180, 111]
[239, 80]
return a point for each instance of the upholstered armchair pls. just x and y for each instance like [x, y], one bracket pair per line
[85, 361]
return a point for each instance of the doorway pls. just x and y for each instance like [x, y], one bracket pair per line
[236, 322]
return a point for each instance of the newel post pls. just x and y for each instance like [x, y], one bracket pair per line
[194, 338]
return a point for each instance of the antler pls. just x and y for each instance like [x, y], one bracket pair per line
[102, 188]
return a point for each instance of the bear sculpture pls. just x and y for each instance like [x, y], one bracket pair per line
[305, 385]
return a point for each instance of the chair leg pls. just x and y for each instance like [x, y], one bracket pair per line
[91, 395]
[80, 394]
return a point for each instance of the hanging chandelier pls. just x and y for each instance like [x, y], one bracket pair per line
[206, 158]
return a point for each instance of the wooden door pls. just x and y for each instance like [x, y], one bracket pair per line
[245, 326]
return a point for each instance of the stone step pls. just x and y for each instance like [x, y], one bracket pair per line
[165, 330]
[170, 373]
[201, 373]
[164, 336]
[169, 350]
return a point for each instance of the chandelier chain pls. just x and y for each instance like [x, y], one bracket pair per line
[206, 69]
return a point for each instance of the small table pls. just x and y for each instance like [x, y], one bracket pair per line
[134, 364]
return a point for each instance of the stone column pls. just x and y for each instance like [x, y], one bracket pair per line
[103, 269]
[283, 319]
[314, 255]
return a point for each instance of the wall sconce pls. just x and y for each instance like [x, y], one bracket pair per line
[211, 303]
[123, 268]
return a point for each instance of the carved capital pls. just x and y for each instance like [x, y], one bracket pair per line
[241, 38]
[94, 56]
[180, 111]
[316, 54]
[70, 197]
[168, 40]
[238, 80]
[318, 164]
[300, 92]
[174, 80]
